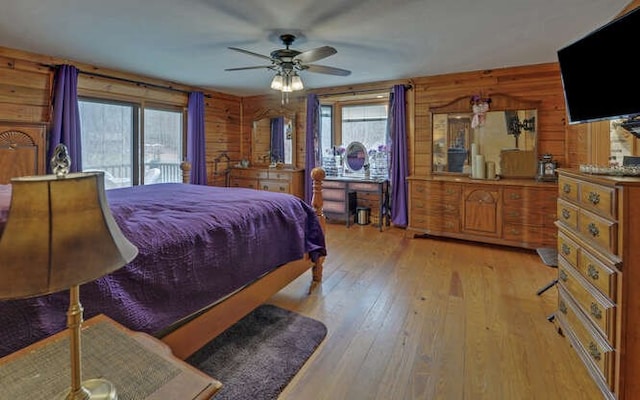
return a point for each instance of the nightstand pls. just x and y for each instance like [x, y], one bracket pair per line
[140, 366]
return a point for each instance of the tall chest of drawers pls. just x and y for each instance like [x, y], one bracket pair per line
[599, 277]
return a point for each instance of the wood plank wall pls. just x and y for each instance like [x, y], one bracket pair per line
[539, 83]
[26, 81]
[26, 85]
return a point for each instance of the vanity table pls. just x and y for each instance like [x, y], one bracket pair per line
[340, 197]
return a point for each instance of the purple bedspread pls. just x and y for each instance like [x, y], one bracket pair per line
[196, 245]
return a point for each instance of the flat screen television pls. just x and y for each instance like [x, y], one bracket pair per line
[600, 77]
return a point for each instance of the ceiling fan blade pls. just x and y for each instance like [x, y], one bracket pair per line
[251, 53]
[256, 67]
[323, 69]
[316, 54]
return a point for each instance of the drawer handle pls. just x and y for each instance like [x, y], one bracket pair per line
[515, 196]
[419, 189]
[449, 207]
[562, 307]
[566, 250]
[515, 231]
[566, 214]
[593, 230]
[450, 191]
[594, 352]
[448, 224]
[592, 272]
[566, 188]
[420, 205]
[265, 187]
[594, 198]
[514, 214]
[595, 311]
[562, 274]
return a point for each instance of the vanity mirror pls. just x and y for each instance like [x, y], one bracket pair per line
[504, 137]
[357, 157]
[273, 138]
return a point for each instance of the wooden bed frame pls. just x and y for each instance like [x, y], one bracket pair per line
[22, 152]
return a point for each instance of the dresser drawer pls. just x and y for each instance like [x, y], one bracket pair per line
[590, 346]
[598, 198]
[275, 186]
[333, 194]
[243, 183]
[245, 173]
[334, 206]
[418, 189]
[418, 221]
[598, 230]
[599, 274]
[283, 176]
[333, 185]
[600, 310]
[443, 207]
[568, 214]
[444, 224]
[568, 249]
[523, 233]
[568, 188]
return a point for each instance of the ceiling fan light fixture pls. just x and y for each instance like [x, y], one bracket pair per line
[277, 82]
[296, 82]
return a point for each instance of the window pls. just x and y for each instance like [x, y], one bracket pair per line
[364, 122]
[112, 137]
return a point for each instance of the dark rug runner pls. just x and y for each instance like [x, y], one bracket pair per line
[256, 358]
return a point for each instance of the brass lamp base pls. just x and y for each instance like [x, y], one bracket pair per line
[94, 389]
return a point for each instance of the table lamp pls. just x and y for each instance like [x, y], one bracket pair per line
[60, 234]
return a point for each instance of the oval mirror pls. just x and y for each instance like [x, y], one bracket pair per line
[357, 157]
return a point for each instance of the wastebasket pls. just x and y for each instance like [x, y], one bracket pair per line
[362, 215]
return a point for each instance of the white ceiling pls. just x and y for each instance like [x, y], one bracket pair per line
[187, 41]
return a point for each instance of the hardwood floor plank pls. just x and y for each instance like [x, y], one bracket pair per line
[432, 319]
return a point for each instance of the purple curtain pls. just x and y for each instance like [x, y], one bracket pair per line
[399, 169]
[195, 139]
[277, 139]
[311, 142]
[65, 122]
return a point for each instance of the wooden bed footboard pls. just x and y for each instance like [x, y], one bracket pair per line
[209, 323]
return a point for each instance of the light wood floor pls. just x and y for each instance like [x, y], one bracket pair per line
[432, 319]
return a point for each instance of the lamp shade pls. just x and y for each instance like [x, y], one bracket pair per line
[59, 233]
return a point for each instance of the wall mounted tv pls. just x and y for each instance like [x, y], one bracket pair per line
[600, 77]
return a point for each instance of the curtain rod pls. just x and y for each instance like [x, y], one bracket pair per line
[137, 83]
[356, 92]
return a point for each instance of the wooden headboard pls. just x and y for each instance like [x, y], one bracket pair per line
[22, 150]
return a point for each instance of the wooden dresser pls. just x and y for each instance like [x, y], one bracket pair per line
[599, 277]
[272, 179]
[513, 212]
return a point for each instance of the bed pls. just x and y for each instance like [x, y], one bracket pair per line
[207, 255]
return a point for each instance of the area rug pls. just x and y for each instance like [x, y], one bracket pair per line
[256, 358]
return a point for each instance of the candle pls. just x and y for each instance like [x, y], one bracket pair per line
[491, 170]
[478, 167]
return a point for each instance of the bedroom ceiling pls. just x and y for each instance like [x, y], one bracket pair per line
[187, 41]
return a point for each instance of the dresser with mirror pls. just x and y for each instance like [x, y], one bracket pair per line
[273, 157]
[482, 186]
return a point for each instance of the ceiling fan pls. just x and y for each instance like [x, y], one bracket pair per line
[288, 61]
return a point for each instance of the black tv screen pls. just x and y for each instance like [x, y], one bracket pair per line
[600, 77]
